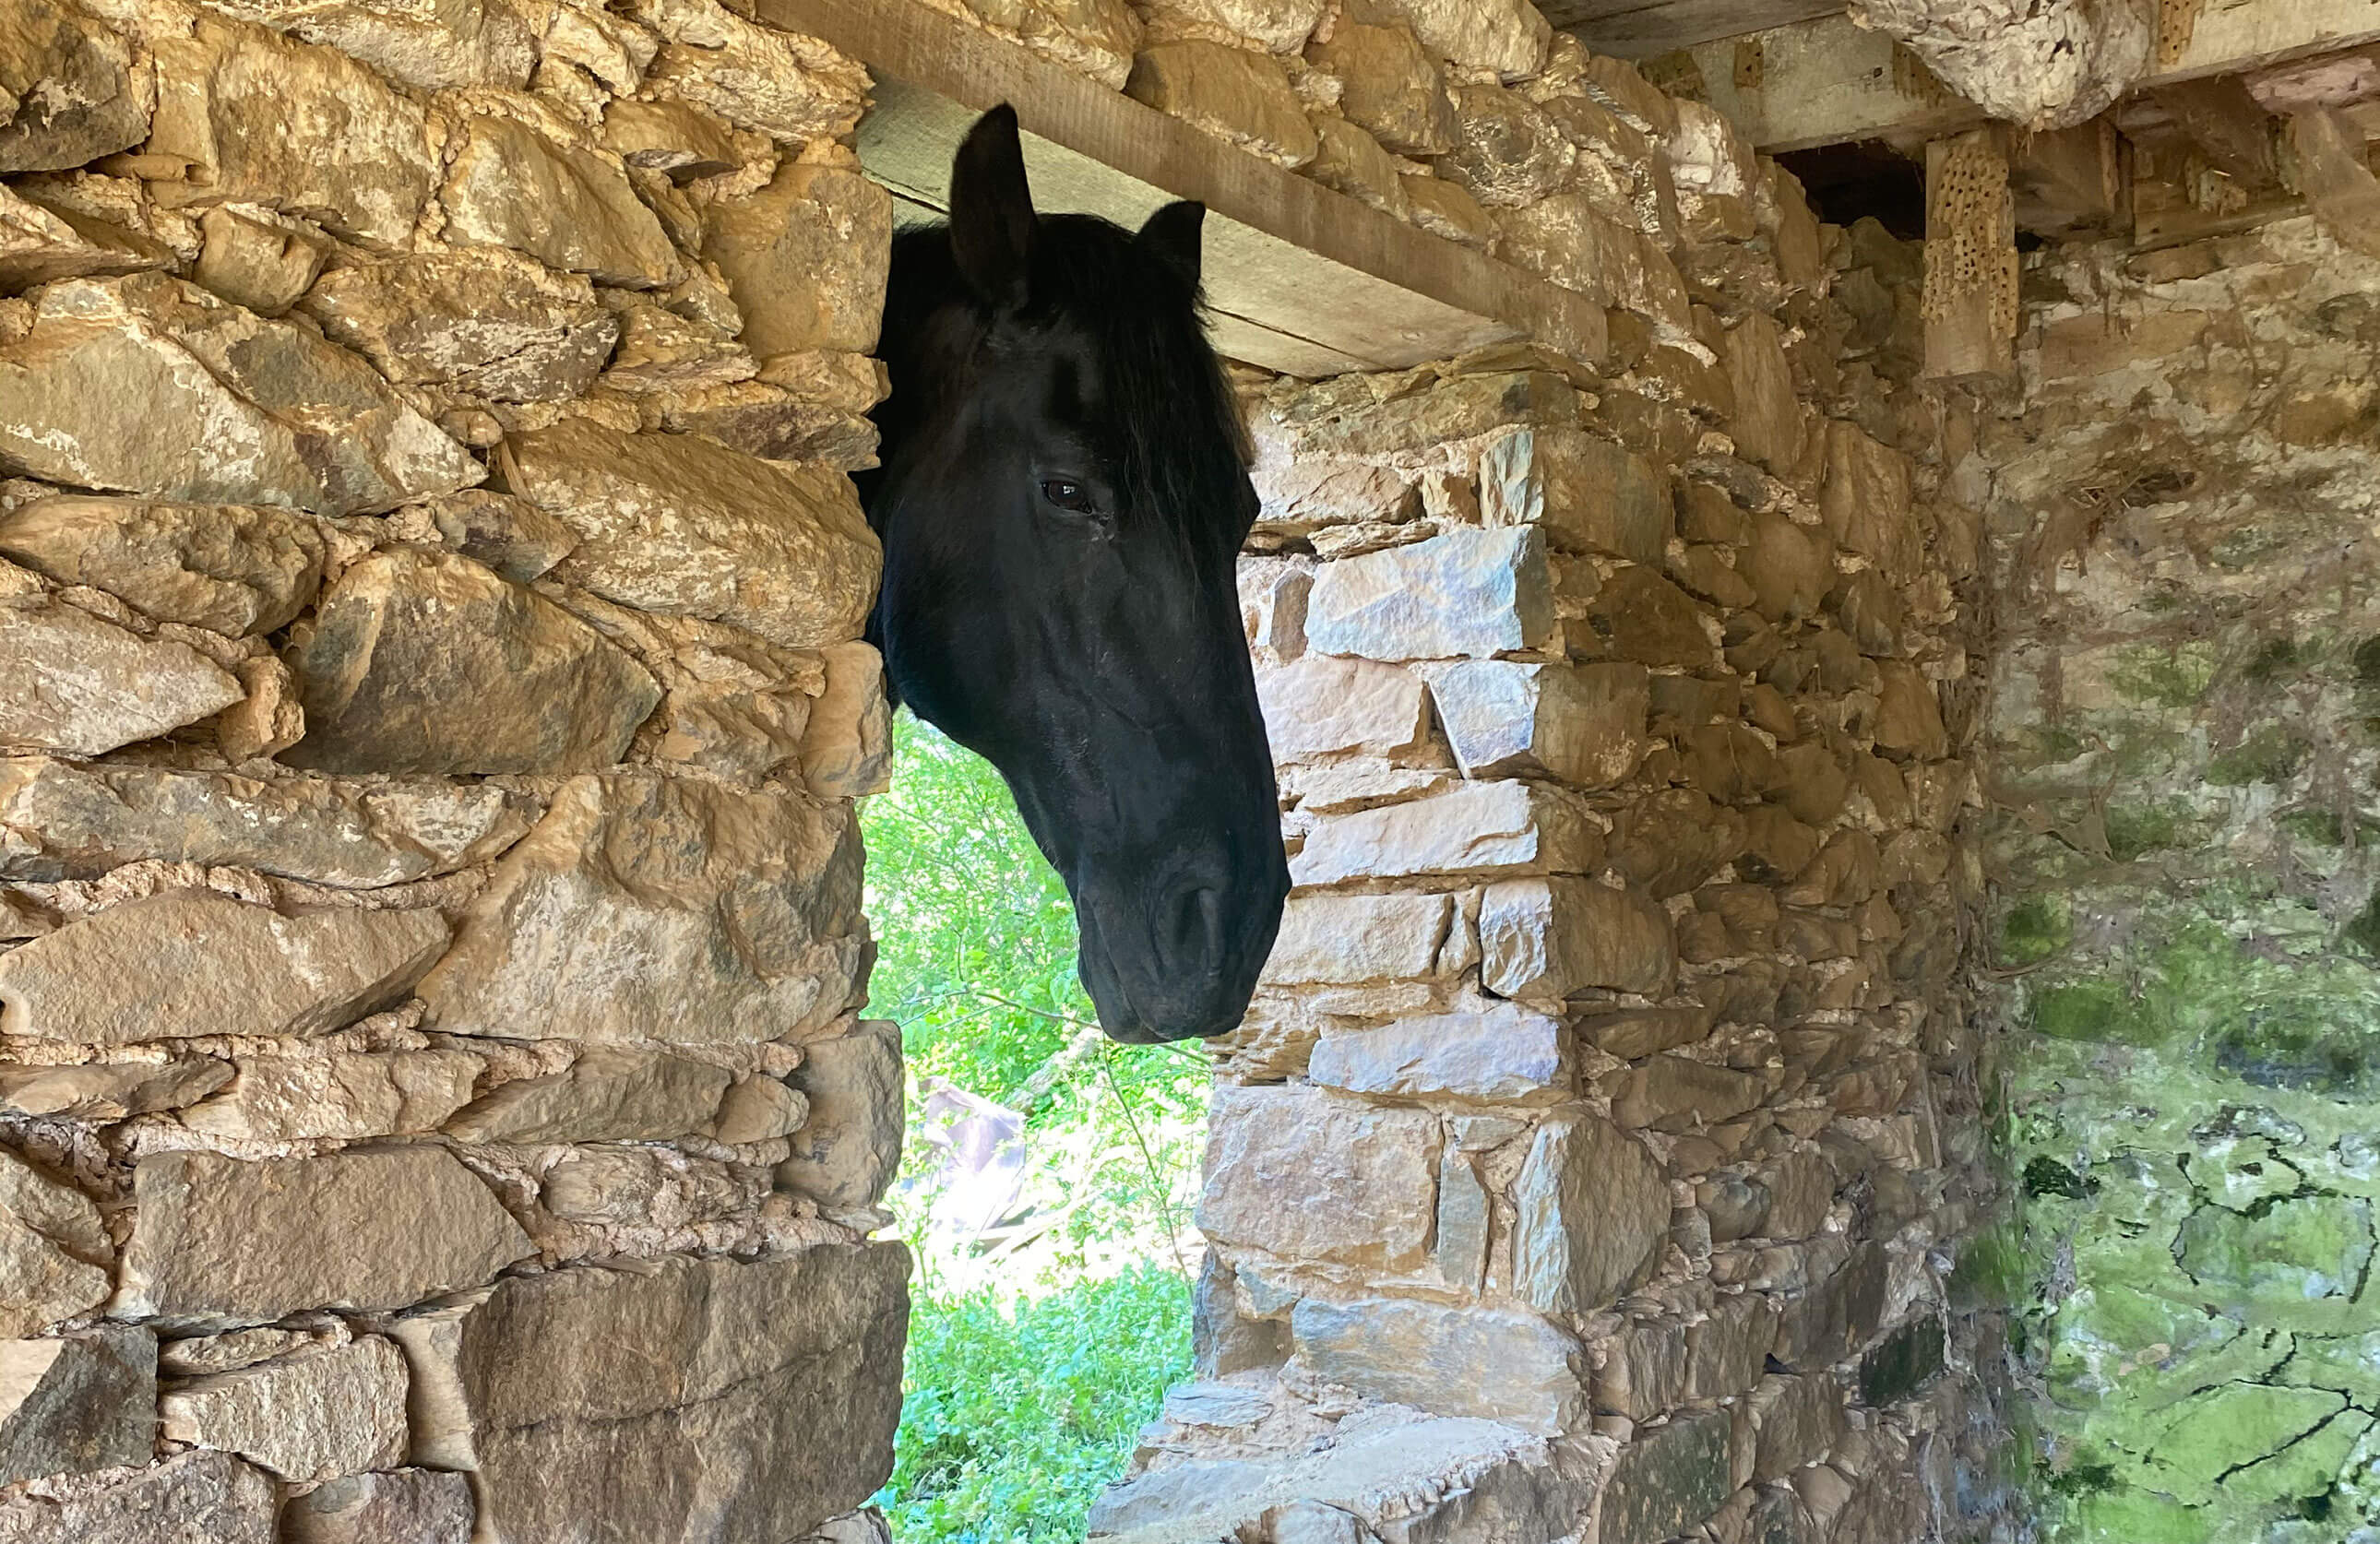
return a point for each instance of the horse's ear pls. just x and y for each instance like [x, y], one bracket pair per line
[1171, 237]
[991, 209]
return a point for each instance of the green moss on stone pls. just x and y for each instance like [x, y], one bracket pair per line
[2136, 830]
[2364, 933]
[2322, 828]
[2165, 674]
[2091, 1010]
[2140, 1517]
[2036, 929]
[2269, 754]
[2272, 657]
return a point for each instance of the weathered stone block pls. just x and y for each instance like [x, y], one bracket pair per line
[1790, 568]
[1546, 939]
[220, 1242]
[1321, 705]
[759, 1109]
[1908, 713]
[194, 962]
[673, 524]
[1643, 1371]
[570, 206]
[308, 1416]
[391, 1506]
[72, 683]
[1640, 615]
[1275, 26]
[1467, 592]
[78, 821]
[110, 1091]
[1349, 161]
[1320, 1179]
[1767, 422]
[1582, 724]
[1567, 240]
[766, 1405]
[787, 85]
[1391, 86]
[1676, 1093]
[69, 93]
[488, 320]
[256, 259]
[1235, 94]
[1508, 153]
[1444, 209]
[1591, 1212]
[407, 634]
[1348, 939]
[652, 908]
[233, 568]
[351, 1094]
[149, 385]
[1590, 494]
[608, 1094]
[194, 1498]
[805, 258]
[1505, 827]
[77, 1404]
[1508, 37]
[1668, 1480]
[1446, 1358]
[847, 744]
[227, 95]
[1501, 1052]
[40, 245]
[1798, 1420]
[1726, 1352]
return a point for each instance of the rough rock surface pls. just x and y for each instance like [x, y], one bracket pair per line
[77, 1403]
[308, 1416]
[487, 320]
[72, 683]
[236, 569]
[194, 1498]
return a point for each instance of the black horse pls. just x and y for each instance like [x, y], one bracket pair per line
[1063, 493]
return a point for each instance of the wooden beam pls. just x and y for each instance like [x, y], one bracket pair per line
[2069, 180]
[2330, 171]
[1642, 28]
[2229, 126]
[1970, 261]
[1826, 81]
[1299, 278]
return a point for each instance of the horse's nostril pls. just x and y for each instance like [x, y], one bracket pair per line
[1197, 923]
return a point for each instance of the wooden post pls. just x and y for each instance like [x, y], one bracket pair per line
[2332, 174]
[1970, 266]
[2069, 180]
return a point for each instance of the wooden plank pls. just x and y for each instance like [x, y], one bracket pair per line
[2069, 180]
[1827, 80]
[1970, 261]
[1285, 257]
[2231, 127]
[1635, 29]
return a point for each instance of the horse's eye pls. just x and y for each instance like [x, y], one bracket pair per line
[1067, 495]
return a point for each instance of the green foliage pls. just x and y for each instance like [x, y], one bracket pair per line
[1015, 1417]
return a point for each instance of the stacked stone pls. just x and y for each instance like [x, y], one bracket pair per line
[431, 1090]
[2182, 748]
[1594, 1158]
[1471, 119]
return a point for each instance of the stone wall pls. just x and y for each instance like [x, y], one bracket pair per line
[1596, 1158]
[431, 1090]
[2182, 757]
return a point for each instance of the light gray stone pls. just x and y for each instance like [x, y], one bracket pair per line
[69, 93]
[404, 635]
[1322, 706]
[236, 569]
[1590, 494]
[488, 320]
[218, 1242]
[312, 1095]
[569, 205]
[78, 821]
[72, 683]
[663, 909]
[1499, 1052]
[79, 1404]
[194, 1498]
[390, 1506]
[110, 1091]
[608, 1094]
[805, 258]
[1323, 1178]
[1464, 1219]
[1496, 828]
[1643, 1371]
[673, 524]
[1467, 593]
[846, 1153]
[194, 962]
[1582, 724]
[149, 385]
[308, 1416]
[1543, 938]
[1592, 1209]
[1347, 938]
[1450, 1359]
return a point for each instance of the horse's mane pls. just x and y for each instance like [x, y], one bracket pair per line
[1183, 446]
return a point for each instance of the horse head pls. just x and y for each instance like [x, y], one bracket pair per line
[1063, 496]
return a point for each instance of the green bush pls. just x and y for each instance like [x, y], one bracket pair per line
[1014, 1418]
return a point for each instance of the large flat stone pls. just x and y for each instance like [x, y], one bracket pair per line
[69, 91]
[787, 85]
[1582, 724]
[1544, 939]
[1592, 1210]
[1392, 86]
[1504, 827]
[1347, 938]
[673, 524]
[406, 634]
[219, 1242]
[650, 909]
[313, 1415]
[1501, 1051]
[40, 245]
[1324, 706]
[77, 1403]
[565, 203]
[1508, 38]
[262, 118]
[149, 385]
[72, 821]
[764, 1403]
[487, 319]
[805, 258]
[312, 1094]
[110, 1091]
[1238, 95]
[195, 1498]
[236, 569]
[1451, 1360]
[1322, 1178]
[846, 1151]
[1590, 495]
[387, 1506]
[1668, 1480]
[194, 962]
[72, 683]
[54, 1251]
[1467, 593]
[610, 1094]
